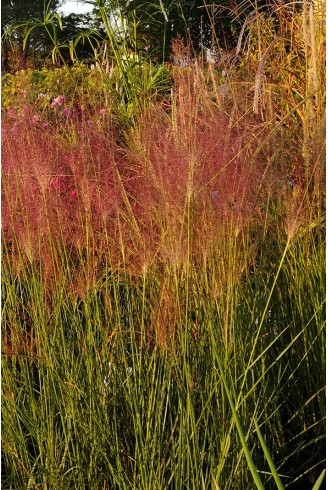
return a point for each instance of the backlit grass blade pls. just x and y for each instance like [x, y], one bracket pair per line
[317, 484]
[268, 458]
[242, 438]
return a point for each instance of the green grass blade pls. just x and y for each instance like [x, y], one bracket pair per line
[317, 484]
[248, 455]
[268, 458]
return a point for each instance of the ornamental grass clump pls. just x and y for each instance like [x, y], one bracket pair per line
[191, 171]
[58, 192]
[175, 183]
[163, 292]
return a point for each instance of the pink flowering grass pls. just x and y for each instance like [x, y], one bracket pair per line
[192, 173]
[55, 193]
[185, 183]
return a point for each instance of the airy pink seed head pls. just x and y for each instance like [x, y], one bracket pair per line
[58, 183]
[11, 113]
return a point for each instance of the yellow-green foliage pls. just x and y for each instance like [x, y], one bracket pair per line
[40, 87]
[14, 89]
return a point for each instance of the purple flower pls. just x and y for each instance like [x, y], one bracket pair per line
[66, 112]
[36, 118]
[60, 100]
[215, 196]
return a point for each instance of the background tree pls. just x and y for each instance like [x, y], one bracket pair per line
[15, 52]
[153, 25]
[80, 36]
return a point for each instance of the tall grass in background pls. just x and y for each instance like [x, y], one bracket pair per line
[163, 287]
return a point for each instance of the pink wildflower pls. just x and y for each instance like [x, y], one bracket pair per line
[102, 111]
[60, 100]
[36, 118]
[66, 112]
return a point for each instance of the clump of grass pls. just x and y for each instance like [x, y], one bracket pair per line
[163, 297]
[136, 397]
[180, 180]
[188, 172]
[62, 194]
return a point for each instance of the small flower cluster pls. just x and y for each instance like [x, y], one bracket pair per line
[58, 101]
